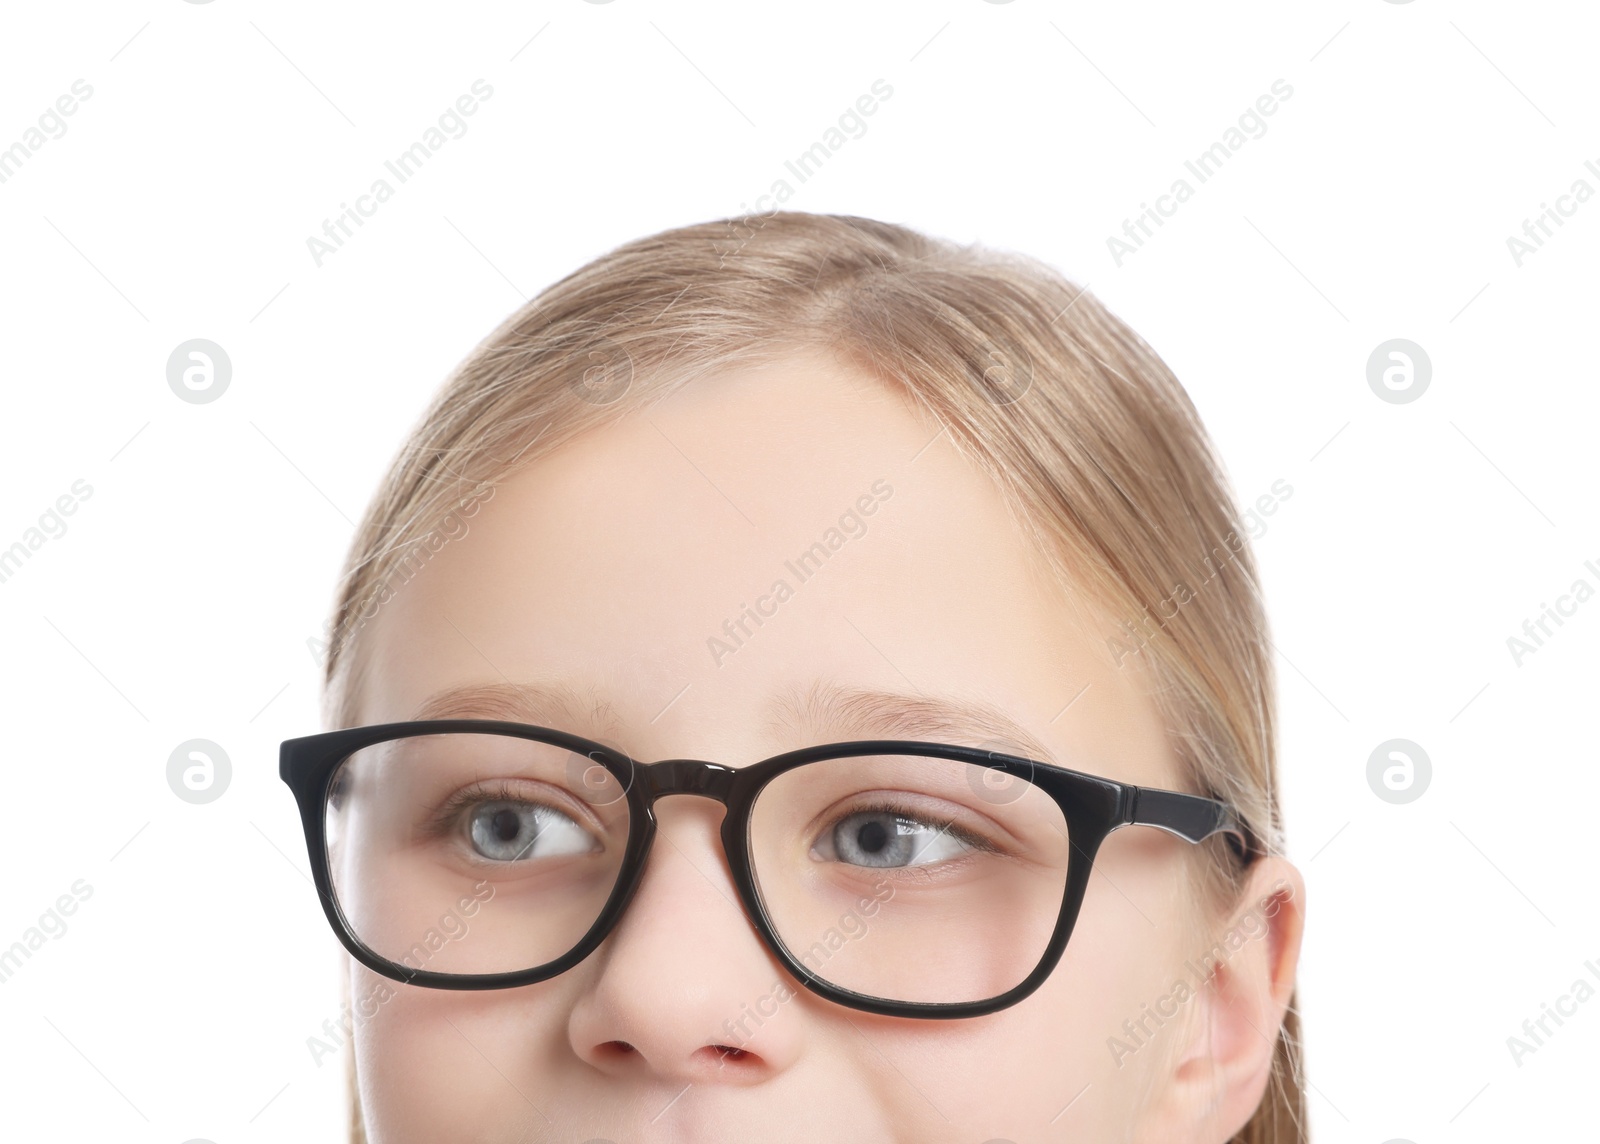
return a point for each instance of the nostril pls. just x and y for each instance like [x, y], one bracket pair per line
[620, 1048]
[730, 1053]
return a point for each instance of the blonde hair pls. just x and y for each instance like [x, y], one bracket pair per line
[1102, 455]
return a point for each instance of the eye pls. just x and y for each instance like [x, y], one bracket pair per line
[338, 788]
[886, 837]
[510, 831]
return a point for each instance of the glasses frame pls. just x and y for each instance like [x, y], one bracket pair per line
[1093, 807]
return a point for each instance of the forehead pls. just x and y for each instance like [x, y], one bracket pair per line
[693, 578]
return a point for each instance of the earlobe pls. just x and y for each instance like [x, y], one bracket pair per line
[1244, 982]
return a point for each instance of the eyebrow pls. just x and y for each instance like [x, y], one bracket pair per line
[545, 704]
[834, 711]
[823, 710]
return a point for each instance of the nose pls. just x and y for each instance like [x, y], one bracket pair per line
[683, 990]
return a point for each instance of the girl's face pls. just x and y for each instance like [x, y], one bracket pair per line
[619, 568]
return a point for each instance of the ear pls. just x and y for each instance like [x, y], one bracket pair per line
[1243, 975]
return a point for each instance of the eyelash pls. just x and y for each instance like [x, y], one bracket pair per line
[886, 806]
[443, 821]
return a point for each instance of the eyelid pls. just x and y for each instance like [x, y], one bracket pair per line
[958, 801]
[442, 820]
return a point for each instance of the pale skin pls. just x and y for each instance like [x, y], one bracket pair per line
[606, 567]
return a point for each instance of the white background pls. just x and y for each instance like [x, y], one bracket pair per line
[180, 600]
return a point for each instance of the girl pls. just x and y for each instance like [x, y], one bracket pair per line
[805, 680]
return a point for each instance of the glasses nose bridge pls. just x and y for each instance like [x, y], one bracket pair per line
[689, 776]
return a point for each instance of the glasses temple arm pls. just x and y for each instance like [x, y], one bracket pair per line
[1190, 817]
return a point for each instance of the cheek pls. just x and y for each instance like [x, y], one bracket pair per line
[1046, 1068]
[1066, 1079]
[440, 1064]
[1087, 1052]
[1125, 986]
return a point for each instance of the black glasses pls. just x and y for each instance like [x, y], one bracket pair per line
[904, 878]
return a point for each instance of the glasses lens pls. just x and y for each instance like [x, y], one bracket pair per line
[911, 878]
[473, 853]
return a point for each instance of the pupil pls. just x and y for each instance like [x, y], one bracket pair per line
[872, 837]
[505, 824]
